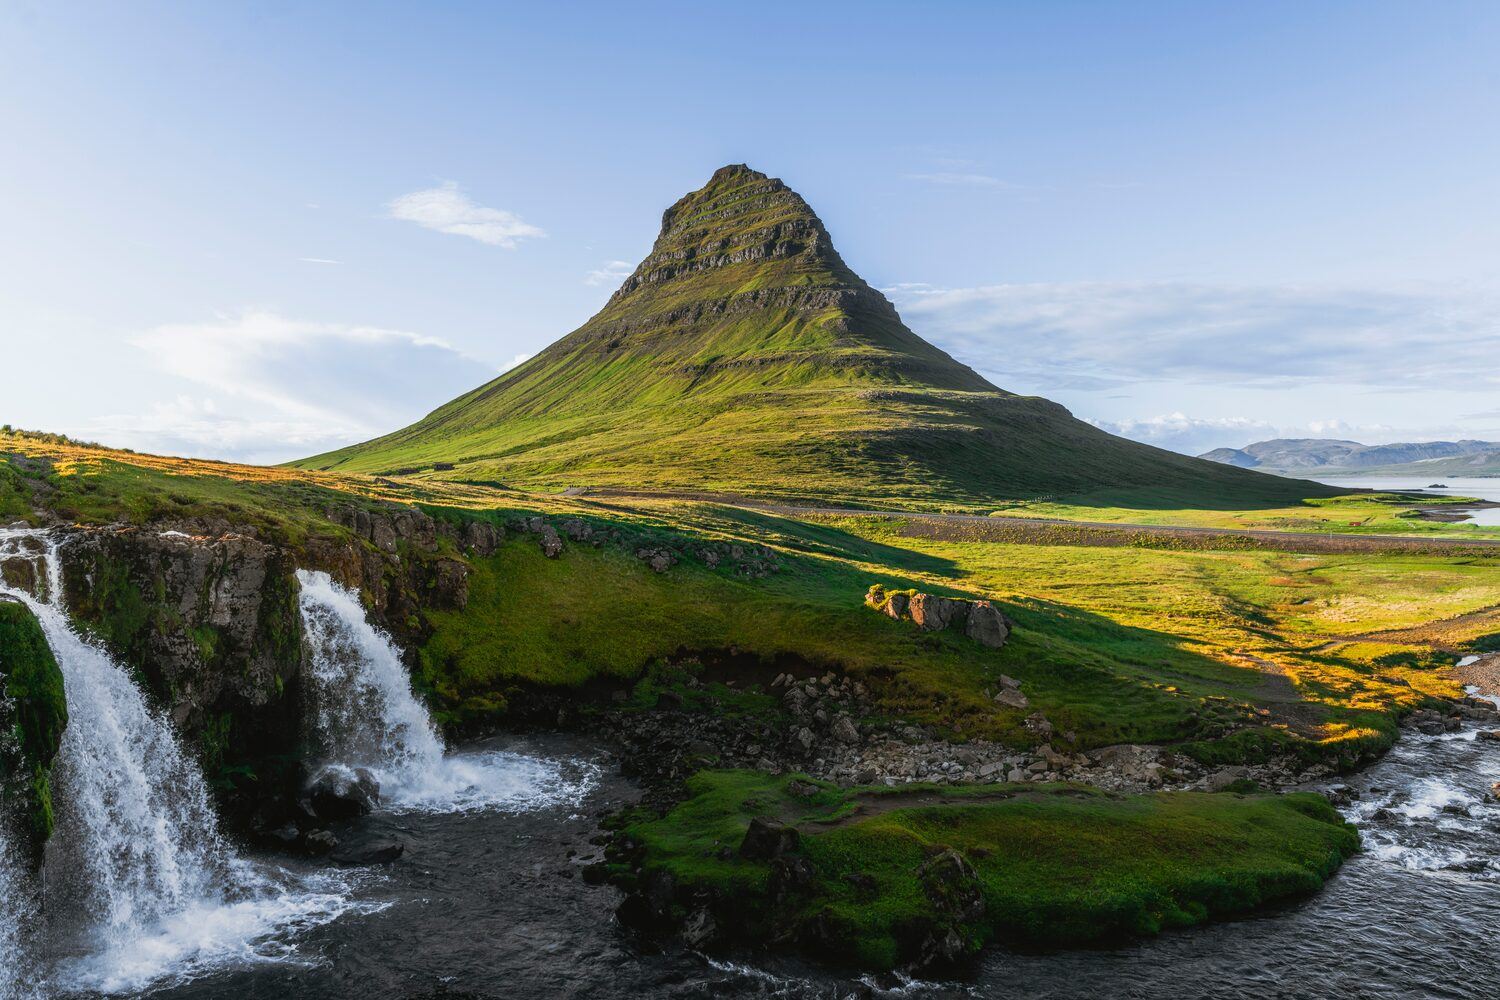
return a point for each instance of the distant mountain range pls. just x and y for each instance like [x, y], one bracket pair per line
[744, 356]
[1318, 456]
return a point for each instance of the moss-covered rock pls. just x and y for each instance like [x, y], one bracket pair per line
[33, 713]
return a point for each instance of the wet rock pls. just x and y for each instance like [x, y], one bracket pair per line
[320, 842]
[337, 793]
[790, 876]
[768, 838]
[1489, 734]
[699, 929]
[370, 854]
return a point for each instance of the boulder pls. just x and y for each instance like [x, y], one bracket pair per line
[932, 613]
[981, 621]
[336, 793]
[1011, 698]
[767, 838]
[320, 842]
[551, 544]
[986, 625]
[844, 730]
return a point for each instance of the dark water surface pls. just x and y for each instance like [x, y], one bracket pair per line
[491, 904]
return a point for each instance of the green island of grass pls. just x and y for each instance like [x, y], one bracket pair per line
[1055, 866]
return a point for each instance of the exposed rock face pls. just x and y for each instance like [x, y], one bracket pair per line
[208, 615]
[979, 620]
[33, 712]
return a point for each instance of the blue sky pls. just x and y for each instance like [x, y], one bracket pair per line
[260, 230]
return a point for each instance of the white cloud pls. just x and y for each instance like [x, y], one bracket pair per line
[447, 209]
[611, 273]
[269, 388]
[318, 260]
[1098, 335]
[1194, 435]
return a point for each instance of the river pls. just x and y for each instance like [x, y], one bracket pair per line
[491, 904]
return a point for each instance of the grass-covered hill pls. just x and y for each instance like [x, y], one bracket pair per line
[744, 356]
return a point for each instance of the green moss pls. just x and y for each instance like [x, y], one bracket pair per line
[1058, 866]
[33, 714]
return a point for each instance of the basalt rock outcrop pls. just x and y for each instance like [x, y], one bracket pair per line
[979, 620]
[33, 712]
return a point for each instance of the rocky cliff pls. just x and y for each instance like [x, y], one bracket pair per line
[33, 712]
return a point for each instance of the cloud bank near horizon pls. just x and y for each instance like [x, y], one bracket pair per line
[261, 387]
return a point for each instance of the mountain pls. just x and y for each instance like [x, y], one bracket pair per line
[743, 355]
[1299, 456]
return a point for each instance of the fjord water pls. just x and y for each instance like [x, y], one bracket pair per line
[367, 717]
[1479, 489]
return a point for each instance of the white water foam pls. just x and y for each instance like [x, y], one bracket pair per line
[140, 889]
[366, 716]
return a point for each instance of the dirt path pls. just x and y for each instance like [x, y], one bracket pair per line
[1438, 634]
[1057, 531]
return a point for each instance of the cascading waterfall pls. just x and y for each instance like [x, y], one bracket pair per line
[138, 883]
[366, 716]
[18, 915]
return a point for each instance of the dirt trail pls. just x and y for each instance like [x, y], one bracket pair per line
[1057, 531]
[1446, 634]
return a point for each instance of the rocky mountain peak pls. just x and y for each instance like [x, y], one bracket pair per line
[742, 216]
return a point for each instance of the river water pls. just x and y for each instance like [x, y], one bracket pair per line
[490, 904]
[1481, 489]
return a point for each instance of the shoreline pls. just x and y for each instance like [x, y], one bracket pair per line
[1482, 673]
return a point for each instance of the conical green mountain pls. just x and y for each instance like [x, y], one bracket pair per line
[744, 356]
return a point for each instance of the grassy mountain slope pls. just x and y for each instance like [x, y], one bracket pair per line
[743, 355]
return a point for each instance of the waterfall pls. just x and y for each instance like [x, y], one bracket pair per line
[137, 881]
[365, 715]
[18, 916]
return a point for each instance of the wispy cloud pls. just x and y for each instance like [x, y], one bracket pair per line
[265, 387]
[319, 260]
[612, 273]
[959, 179]
[1097, 336]
[447, 209]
